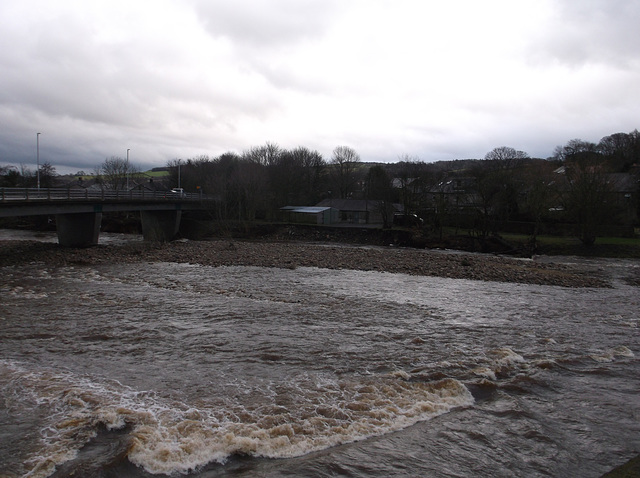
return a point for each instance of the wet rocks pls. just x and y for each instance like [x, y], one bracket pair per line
[295, 254]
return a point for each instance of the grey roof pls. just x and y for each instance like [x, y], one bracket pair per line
[305, 209]
[349, 204]
[623, 182]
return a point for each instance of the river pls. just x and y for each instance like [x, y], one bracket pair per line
[153, 369]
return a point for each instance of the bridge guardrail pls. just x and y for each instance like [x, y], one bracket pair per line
[59, 194]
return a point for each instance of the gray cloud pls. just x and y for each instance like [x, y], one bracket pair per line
[264, 25]
[592, 31]
[432, 80]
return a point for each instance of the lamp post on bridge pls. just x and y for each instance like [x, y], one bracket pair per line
[179, 186]
[128, 169]
[38, 158]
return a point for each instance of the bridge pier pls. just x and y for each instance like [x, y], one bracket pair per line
[78, 229]
[160, 226]
[79, 213]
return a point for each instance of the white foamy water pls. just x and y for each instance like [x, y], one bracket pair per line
[169, 436]
[185, 369]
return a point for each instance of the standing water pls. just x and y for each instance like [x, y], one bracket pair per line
[140, 370]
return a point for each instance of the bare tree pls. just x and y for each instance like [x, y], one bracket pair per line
[47, 175]
[264, 155]
[344, 164]
[380, 190]
[194, 174]
[28, 176]
[506, 157]
[412, 181]
[574, 148]
[587, 195]
[586, 189]
[313, 177]
[250, 181]
[538, 192]
[222, 183]
[496, 196]
[25, 177]
[116, 173]
[295, 177]
[9, 176]
[621, 150]
[285, 175]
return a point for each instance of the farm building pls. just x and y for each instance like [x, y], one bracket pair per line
[310, 214]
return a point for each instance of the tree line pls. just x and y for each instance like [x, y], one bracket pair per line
[264, 178]
[25, 177]
[584, 184]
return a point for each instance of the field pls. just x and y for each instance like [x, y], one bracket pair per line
[621, 247]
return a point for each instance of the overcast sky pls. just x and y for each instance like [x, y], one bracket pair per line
[430, 79]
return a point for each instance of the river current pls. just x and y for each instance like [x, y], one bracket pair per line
[153, 369]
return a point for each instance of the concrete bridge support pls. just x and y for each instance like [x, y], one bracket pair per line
[78, 229]
[160, 226]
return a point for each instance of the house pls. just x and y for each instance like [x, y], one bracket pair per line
[625, 191]
[356, 211]
[402, 183]
[83, 184]
[148, 185]
[455, 193]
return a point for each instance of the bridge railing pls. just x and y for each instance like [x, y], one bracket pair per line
[59, 194]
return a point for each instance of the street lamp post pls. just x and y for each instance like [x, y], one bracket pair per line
[179, 173]
[127, 171]
[38, 158]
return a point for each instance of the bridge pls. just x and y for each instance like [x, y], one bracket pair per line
[78, 212]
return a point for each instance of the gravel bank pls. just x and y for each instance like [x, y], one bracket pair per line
[293, 254]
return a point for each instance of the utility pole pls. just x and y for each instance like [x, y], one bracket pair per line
[38, 158]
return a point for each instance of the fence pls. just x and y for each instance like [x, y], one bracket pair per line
[59, 194]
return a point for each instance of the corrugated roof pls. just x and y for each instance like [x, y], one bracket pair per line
[305, 209]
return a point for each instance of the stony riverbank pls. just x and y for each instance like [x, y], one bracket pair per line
[296, 254]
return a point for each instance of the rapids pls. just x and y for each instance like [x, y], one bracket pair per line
[164, 368]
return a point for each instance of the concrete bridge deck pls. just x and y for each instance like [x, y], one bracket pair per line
[78, 212]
